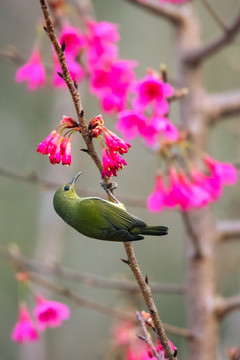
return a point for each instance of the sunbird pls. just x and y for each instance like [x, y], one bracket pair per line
[100, 219]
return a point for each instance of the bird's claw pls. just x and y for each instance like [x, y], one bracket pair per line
[109, 188]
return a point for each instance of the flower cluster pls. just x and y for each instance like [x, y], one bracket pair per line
[111, 145]
[189, 186]
[58, 146]
[46, 314]
[131, 347]
[93, 55]
[147, 117]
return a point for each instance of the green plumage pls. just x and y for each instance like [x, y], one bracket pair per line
[100, 219]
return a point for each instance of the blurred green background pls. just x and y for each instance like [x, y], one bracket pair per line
[27, 215]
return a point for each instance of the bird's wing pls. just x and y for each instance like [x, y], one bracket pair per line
[118, 217]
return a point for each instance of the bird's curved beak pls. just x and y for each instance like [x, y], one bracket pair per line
[74, 179]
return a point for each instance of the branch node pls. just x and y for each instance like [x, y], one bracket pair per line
[63, 47]
[126, 261]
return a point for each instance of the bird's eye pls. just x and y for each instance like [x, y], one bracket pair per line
[66, 188]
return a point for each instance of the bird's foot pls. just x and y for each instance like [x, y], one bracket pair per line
[109, 188]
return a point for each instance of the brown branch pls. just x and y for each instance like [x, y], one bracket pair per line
[223, 105]
[146, 292]
[193, 236]
[24, 265]
[55, 269]
[169, 12]
[224, 306]
[228, 230]
[199, 55]
[71, 86]
[147, 337]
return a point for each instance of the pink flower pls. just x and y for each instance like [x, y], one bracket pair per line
[24, 330]
[114, 143]
[224, 171]
[156, 201]
[100, 42]
[164, 127]
[112, 162]
[50, 313]
[74, 42]
[131, 123]
[111, 83]
[152, 91]
[75, 70]
[161, 351]
[33, 72]
[57, 146]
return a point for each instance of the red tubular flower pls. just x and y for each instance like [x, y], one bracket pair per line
[57, 146]
[50, 313]
[114, 143]
[24, 329]
[112, 162]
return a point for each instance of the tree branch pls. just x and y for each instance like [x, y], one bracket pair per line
[169, 12]
[201, 54]
[223, 105]
[224, 306]
[146, 292]
[27, 265]
[228, 230]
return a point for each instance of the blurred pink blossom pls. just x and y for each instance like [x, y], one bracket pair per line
[24, 330]
[50, 313]
[33, 72]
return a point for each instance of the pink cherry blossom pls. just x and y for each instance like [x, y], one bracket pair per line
[100, 41]
[50, 313]
[24, 330]
[152, 91]
[112, 162]
[74, 41]
[75, 70]
[33, 72]
[226, 172]
[156, 201]
[66, 151]
[111, 83]
[131, 123]
[115, 143]
[163, 126]
[160, 350]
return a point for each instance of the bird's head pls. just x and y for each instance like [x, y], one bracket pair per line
[66, 192]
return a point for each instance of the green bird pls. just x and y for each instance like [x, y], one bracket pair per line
[100, 219]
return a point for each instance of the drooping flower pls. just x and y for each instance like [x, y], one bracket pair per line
[156, 201]
[50, 313]
[112, 162]
[110, 82]
[58, 146]
[101, 39]
[152, 91]
[111, 148]
[24, 330]
[74, 41]
[224, 171]
[161, 352]
[33, 72]
[131, 123]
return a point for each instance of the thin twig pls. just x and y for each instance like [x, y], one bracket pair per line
[145, 289]
[201, 54]
[228, 230]
[224, 306]
[147, 337]
[169, 12]
[223, 105]
[55, 269]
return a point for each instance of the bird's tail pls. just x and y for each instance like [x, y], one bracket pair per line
[150, 230]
